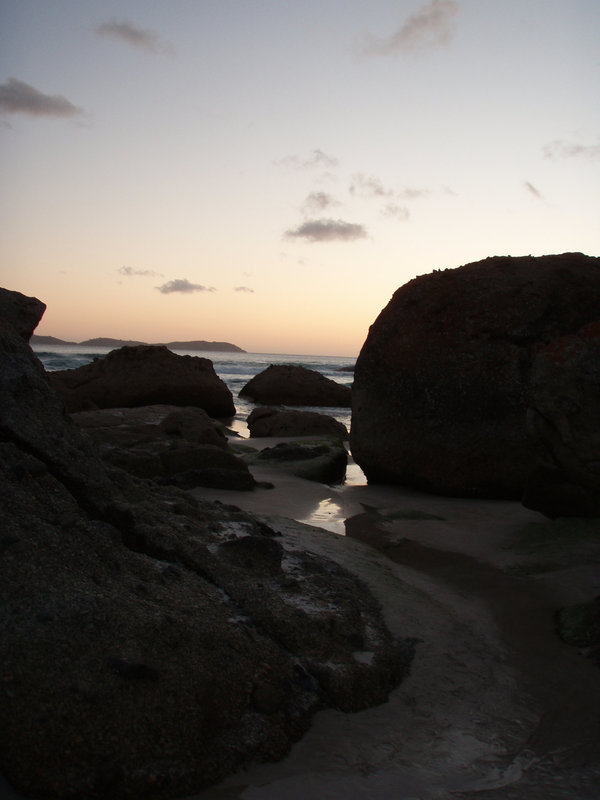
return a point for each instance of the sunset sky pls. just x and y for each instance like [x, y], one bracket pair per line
[268, 173]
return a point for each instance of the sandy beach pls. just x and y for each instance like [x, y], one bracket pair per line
[496, 705]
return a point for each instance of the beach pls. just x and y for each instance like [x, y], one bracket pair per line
[496, 705]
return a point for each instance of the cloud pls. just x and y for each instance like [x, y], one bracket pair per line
[398, 212]
[17, 97]
[368, 187]
[243, 289]
[560, 149]
[183, 286]
[327, 230]
[532, 190]
[317, 159]
[128, 32]
[319, 201]
[147, 273]
[413, 194]
[432, 25]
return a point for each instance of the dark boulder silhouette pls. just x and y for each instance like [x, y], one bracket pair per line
[269, 421]
[291, 385]
[441, 384]
[144, 375]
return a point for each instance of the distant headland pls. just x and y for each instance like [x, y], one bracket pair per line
[198, 344]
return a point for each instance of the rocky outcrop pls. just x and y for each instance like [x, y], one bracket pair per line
[19, 315]
[137, 657]
[562, 417]
[268, 421]
[290, 385]
[324, 461]
[441, 384]
[143, 376]
[179, 446]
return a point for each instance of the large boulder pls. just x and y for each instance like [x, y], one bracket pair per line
[441, 384]
[143, 376]
[269, 421]
[563, 420]
[291, 385]
[137, 658]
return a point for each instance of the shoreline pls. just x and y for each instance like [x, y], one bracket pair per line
[496, 706]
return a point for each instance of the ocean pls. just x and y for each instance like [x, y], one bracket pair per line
[235, 369]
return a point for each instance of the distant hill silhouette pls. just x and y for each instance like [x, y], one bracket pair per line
[48, 340]
[197, 344]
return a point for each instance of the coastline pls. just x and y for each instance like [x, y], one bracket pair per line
[496, 705]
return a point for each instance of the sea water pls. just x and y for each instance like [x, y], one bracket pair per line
[235, 369]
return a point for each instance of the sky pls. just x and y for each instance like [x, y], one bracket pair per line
[268, 173]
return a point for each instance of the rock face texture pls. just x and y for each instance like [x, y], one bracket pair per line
[323, 461]
[287, 384]
[442, 382]
[143, 376]
[137, 658]
[179, 446]
[268, 421]
[564, 421]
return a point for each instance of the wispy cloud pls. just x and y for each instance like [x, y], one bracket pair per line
[413, 194]
[129, 272]
[431, 26]
[561, 149]
[396, 211]
[367, 186]
[183, 286]
[244, 289]
[128, 32]
[327, 230]
[17, 97]
[532, 190]
[316, 160]
[319, 201]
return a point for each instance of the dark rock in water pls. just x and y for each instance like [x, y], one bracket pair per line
[324, 462]
[138, 658]
[268, 421]
[563, 421]
[287, 384]
[144, 376]
[441, 384]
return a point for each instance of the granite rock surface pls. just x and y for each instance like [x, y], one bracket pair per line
[137, 657]
[268, 421]
[441, 386]
[144, 375]
[291, 385]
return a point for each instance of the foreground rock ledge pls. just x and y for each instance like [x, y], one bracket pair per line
[137, 657]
